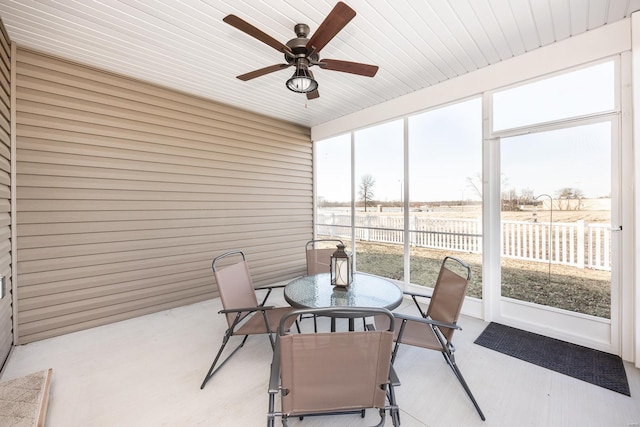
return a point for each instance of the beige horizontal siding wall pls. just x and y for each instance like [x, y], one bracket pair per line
[6, 317]
[126, 191]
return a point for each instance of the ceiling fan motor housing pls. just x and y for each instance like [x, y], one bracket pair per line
[298, 45]
[301, 30]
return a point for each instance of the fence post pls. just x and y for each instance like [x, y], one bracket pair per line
[478, 233]
[579, 244]
[333, 223]
[367, 221]
[413, 235]
[580, 248]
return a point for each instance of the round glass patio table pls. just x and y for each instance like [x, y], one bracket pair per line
[366, 290]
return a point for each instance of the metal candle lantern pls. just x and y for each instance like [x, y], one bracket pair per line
[340, 271]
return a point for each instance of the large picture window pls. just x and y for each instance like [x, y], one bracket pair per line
[379, 227]
[445, 191]
[524, 184]
[333, 187]
[578, 93]
[556, 216]
[556, 139]
[444, 209]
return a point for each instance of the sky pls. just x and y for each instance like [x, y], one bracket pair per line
[546, 162]
[445, 145]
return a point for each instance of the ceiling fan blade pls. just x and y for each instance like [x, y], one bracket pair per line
[332, 24]
[247, 28]
[349, 67]
[314, 93]
[262, 71]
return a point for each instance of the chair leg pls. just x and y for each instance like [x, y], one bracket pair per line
[270, 415]
[395, 417]
[301, 318]
[395, 352]
[398, 341]
[213, 365]
[395, 413]
[452, 363]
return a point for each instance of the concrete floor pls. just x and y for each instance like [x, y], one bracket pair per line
[147, 372]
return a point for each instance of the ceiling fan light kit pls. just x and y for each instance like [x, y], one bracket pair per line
[303, 52]
[302, 81]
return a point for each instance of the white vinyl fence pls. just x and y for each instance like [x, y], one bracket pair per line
[577, 244]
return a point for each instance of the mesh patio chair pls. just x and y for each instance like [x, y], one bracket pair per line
[318, 255]
[243, 314]
[434, 329]
[333, 372]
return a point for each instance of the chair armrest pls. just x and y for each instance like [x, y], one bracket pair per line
[270, 287]
[249, 309]
[274, 378]
[415, 294]
[426, 321]
[414, 297]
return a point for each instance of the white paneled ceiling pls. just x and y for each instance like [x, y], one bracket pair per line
[185, 44]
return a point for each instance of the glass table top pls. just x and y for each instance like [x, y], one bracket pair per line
[366, 290]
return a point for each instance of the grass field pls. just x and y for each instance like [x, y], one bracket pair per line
[584, 291]
[581, 290]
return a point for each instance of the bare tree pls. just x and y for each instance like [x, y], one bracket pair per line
[569, 198]
[475, 184]
[509, 200]
[526, 196]
[366, 189]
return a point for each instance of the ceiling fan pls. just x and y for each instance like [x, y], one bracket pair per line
[303, 52]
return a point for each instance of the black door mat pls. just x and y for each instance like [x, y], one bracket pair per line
[586, 364]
